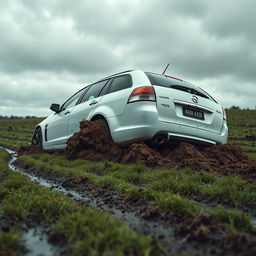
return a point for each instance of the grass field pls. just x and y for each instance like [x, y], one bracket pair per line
[242, 126]
[228, 202]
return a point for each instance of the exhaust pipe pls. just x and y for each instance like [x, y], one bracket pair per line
[159, 139]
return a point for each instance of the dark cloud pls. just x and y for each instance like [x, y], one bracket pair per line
[48, 48]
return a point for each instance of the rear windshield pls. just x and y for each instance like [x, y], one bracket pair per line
[161, 80]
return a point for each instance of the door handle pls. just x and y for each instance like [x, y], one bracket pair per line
[67, 112]
[93, 102]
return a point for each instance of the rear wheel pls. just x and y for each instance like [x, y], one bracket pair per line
[37, 138]
[104, 125]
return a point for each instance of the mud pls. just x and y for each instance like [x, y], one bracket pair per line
[250, 137]
[93, 143]
[243, 244]
[222, 159]
[29, 150]
[199, 228]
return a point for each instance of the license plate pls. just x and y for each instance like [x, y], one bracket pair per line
[189, 112]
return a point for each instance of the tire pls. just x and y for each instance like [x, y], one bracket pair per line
[37, 140]
[104, 125]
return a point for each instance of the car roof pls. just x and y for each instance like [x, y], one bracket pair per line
[119, 73]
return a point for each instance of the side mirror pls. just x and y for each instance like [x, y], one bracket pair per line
[55, 107]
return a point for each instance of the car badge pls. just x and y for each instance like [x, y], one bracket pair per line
[194, 99]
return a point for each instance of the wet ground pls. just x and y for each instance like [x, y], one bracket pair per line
[193, 236]
[144, 217]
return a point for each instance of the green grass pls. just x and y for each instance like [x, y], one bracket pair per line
[243, 143]
[19, 125]
[252, 155]
[10, 243]
[241, 117]
[166, 188]
[248, 149]
[12, 144]
[242, 123]
[85, 231]
[16, 135]
[230, 190]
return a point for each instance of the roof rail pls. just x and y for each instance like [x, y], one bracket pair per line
[118, 73]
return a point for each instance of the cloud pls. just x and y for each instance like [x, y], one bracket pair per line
[48, 49]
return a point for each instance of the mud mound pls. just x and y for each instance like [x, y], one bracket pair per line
[141, 153]
[226, 153]
[229, 159]
[223, 159]
[188, 155]
[93, 143]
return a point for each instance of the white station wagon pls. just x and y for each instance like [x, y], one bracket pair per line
[138, 106]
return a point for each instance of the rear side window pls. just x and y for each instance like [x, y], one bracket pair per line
[120, 83]
[158, 80]
[94, 91]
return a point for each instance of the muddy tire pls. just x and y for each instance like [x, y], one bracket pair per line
[37, 140]
[104, 125]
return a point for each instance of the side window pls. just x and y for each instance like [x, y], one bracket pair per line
[159, 80]
[104, 91]
[71, 102]
[93, 91]
[120, 83]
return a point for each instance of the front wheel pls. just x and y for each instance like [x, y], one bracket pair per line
[37, 139]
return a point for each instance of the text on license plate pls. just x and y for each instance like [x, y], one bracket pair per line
[189, 112]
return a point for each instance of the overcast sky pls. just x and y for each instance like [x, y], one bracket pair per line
[49, 49]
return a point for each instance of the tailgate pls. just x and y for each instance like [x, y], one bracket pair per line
[183, 108]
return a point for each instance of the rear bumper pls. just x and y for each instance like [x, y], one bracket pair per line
[187, 133]
[142, 123]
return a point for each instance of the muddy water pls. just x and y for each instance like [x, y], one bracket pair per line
[36, 241]
[164, 233]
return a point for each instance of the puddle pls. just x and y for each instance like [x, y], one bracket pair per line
[37, 243]
[254, 222]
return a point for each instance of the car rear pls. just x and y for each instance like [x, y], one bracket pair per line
[190, 112]
[161, 105]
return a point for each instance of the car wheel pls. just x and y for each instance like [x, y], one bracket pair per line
[37, 138]
[104, 125]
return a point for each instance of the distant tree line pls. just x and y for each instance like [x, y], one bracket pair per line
[16, 117]
[238, 108]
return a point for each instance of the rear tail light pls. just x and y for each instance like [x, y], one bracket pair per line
[145, 93]
[224, 114]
